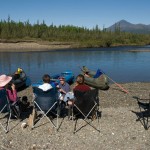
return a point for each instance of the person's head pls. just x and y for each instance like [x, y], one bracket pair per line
[46, 78]
[80, 79]
[4, 80]
[62, 80]
[19, 70]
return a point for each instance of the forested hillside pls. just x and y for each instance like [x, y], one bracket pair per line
[11, 31]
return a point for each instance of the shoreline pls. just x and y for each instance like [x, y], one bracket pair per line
[32, 46]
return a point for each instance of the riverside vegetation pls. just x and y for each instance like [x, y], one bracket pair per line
[77, 37]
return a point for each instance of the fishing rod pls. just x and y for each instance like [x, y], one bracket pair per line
[116, 83]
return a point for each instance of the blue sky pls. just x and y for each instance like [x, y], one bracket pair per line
[83, 13]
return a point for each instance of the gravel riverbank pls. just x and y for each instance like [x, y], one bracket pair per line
[119, 129]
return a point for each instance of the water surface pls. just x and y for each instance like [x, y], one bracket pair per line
[118, 63]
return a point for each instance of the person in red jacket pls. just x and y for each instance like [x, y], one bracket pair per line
[80, 86]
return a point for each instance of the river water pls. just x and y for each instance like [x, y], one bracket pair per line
[119, 63]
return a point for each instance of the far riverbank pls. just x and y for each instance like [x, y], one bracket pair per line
[29, 46]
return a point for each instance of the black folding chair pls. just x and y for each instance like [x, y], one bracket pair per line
[143, 116]
[8, 109]
[86, 107]
[46, 102]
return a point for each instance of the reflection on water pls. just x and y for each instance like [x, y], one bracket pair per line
[118, 63]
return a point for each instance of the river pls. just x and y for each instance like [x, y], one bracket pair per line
[119, 63]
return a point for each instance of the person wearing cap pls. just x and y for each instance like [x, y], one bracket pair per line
[46, 85]
[17, 74]
[63, 87]
[5, 83]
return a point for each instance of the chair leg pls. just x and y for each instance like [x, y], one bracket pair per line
[58, 114]
[8, 120]
[4, 128]
[75, 130]
[87, 121]
[98, 117]
[144, 119]
[147, 120]
[45, 115]
[69, 112]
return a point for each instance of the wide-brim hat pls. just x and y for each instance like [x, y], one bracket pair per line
[4, 80]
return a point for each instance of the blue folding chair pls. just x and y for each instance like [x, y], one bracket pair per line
[46, 102]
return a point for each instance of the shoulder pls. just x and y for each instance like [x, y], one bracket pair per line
[7, 90]
[67, 84]
[45, 85]
[82, 87]
[86, 86]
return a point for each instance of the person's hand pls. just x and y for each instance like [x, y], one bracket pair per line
[70, 103]
[62, 91]
[75, 84]
[86, 75]
[13, 87]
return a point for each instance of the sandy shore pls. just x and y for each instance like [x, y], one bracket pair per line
[32, 46]
[29, 46]
[119, 129]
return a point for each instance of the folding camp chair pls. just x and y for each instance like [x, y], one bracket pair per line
[8, 109]
[46, 102]
[144, 106]
[86, 107]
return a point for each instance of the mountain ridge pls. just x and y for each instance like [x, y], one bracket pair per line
[125, 26]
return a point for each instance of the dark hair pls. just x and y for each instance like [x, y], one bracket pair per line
[8, 86]
[46, 78]
[80, 79]
[62, 78]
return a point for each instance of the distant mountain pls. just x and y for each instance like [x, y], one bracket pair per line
[125, 26]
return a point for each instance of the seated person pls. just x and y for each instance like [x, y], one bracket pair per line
[5, 83]
[17, 73]
[46, 85]
[63, 88]
[80, 86]
[97, 74]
